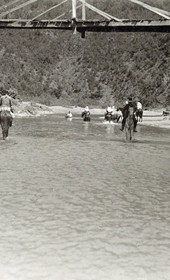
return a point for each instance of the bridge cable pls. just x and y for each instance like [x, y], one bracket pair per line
[162, 11]
[66, 12]
[17, 8]
[9, 4]
[109, 17]
[49, 10]
[150, 8]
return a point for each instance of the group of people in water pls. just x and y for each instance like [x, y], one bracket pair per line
[124, 112]
[6, 105]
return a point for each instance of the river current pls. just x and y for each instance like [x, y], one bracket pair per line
[80, 203]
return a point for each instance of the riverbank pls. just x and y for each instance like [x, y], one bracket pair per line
[27, 109]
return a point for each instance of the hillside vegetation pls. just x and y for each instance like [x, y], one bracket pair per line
[57, 67]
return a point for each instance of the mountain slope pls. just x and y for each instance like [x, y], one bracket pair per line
[57, 67]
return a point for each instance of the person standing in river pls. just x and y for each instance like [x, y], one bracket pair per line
[6, 103]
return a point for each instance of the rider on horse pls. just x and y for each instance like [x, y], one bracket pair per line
[125, 112]
[109, 110]
[86, 110]
[86, 114]
[6, 103]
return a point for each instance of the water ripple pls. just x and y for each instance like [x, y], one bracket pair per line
[80, 203]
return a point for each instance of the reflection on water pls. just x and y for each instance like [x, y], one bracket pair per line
[69, 119]
[110, 129]
[86, 127]
[80, 203]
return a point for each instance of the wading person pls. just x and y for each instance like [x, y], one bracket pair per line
[86, 109]
[6, 103]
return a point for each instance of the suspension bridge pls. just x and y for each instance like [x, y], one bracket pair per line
[108, 23]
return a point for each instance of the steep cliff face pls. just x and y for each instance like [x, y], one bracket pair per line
[57, 67]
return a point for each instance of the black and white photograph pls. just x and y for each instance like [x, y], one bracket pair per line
[85, 140]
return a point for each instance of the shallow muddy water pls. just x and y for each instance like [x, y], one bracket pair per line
[80, 203]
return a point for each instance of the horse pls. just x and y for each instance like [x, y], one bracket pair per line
[129, 125]
[6, 122]
[109, 116]
[139, 115]
[86, 116]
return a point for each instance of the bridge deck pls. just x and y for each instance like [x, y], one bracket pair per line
[90, 25]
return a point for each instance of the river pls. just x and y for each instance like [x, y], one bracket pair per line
[80, 203]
